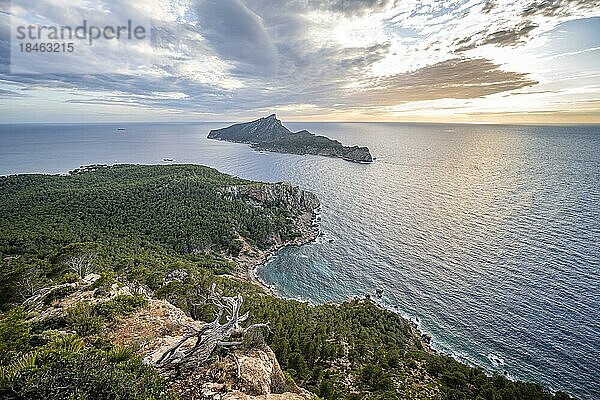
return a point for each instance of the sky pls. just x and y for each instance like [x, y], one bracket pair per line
[490, 61]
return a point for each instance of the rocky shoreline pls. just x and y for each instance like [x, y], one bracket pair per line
[303, 207]
[251, 259]
[309, 235]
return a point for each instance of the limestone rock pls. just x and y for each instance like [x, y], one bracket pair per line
[269, 134]
[292, 197]
[246, 374]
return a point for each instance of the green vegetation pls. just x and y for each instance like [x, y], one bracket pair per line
[138, 223]
[87, 319]
[357, 350]
[38, 363]
[300, 142]
[67, 368]
[134, 220]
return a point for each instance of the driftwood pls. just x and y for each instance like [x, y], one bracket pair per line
[211, 335]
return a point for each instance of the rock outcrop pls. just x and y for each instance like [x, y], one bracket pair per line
[267, 129]
[242, 374]
[269, 134]
[291, 197]
[357, 154]
[302, 206]
[246, 372]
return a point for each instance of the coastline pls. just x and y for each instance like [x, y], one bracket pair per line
[252, 259]
[308, 226]
[249, 264]
[304, 224]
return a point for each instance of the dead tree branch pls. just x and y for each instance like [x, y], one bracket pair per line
[39, 295]
[211, 335]
[81, 263]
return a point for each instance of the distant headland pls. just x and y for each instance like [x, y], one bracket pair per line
[269, 134]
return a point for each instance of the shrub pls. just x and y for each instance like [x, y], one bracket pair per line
[106, 280]
[52, 322]
[70, 277]
[67, 369]
[82, 319]
[15, 335]
[58, 294]
[120, 305]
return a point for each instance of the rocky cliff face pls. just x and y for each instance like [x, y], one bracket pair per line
[248, 374]
[269, 134]
[300, 203]
[292, 197]
[358, 154]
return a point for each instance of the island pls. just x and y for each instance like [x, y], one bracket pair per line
[269, 134]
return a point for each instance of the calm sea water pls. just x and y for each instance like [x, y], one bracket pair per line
[489, 236]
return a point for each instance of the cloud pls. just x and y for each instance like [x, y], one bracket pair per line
[505, 37]
[510, 37]
[4, 40]
[353, 7]
[487, 7]
[237, 34]
[238, 56]
[500, 26]
[10, 93]
[552, 8]
[456, 78]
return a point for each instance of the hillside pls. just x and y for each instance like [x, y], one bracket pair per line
[102, 267]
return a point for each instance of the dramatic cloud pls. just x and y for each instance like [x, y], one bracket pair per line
[239, 57]
[509, 29]
[553, 8]
[457, 79]
[237, 34]
[505, 37]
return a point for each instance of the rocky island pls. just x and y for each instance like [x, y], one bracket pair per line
[269, 134]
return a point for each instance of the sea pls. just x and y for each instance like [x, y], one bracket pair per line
[487, 236]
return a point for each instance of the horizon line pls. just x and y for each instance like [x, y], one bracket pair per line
[303, 121]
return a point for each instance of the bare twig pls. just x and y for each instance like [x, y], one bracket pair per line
[81, 263]
[211, 335]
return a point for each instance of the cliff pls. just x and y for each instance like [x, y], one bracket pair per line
[282, 194]
[269, 134]
[300, 204]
